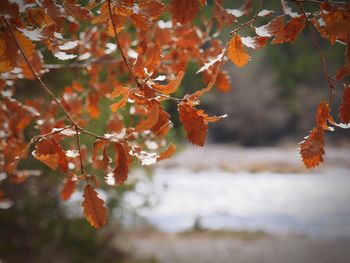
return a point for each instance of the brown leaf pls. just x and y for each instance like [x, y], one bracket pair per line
[151, 119]
[172, 86]
[222, 16]
[119, 91]
[122, 163]
[236, 52]
[272, 28]
[166, 154]
[68, 187]
[344, 109]
[100, 146]
[223, 82]
[25, 43]
[92, 105]
[323, 115]
[312, 148]
[163, 121]
[183, 11]
[256, 42]
[50, 153]
[76, 10]
[195, 126]
[290, 31]
[93, 206]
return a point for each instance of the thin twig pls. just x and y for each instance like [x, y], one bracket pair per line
[250, 22]
[80, 156]
[119, 46]
[319, 51]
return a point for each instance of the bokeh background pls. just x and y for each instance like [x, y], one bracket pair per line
[245, 197]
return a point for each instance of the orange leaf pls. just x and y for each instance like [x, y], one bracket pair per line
[115, 106]
[236, 52]
[195, 126]
[122, 162]
[76, 10]
[151, 119]
[223, 82]
[100, 145]
[93, 206]
[166, 154]
[184, 11]
[92, 105]
[68, 187]
[25, 43]
[50, 153]
[163, 121]
[290, 31]
[312, 148]
[344, 109]
[171, 87]
[272, 28]
[323, 115]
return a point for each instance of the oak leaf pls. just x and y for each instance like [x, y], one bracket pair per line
[290, 31]
[93, 206]
[344, 109]
[122, 163]
[184, 11]
[312, 148]
[171, 87]
[323, 115]
[50, 153]
[236, 52]
[167, 153]
[194, 124]
[68, 187]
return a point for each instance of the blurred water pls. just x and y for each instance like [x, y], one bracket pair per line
[315, 204]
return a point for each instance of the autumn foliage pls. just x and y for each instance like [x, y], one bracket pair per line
[138, 70]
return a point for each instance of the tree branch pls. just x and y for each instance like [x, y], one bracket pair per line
[44, 86]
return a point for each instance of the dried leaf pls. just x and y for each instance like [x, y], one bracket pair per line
[92, 105]
[184, 11]
[236, 52]
[25, 43]
[93, 206]
[151, 119]
[122, 163]
[256, 42]
[290, 31]
[344, 109]
[272, 28]
[68, 187]
[323, 115]
[195, 126]
[312, 148]
[168, 153]
[50, 153]
[171, 87]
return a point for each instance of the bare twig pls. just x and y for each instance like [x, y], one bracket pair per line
[249, 22]
[319, 51]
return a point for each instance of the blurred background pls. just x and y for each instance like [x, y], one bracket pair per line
[244, 197]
